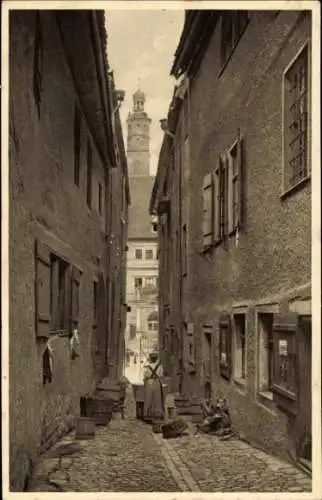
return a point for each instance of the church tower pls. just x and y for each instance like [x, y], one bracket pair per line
[138, 138]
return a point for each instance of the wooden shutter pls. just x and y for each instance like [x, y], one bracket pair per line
[239, 217]
[55, 294]
[43, 290]
[207, 210]
[285, 386]
[225, 195]
[222, 196]
[74, 304]
[229, 194]
[225, 339]
[216, 202]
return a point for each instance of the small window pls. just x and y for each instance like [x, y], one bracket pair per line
[296, 105]
[77, 145]
[225, 346]
[149, 254]
[184, 251]
[137, 282]
[266, 353]
[100, 198]
[233, 24]
[138, 254]
[95, 285]
[153, 326]
[239, 354]
[89, 175]
[150, 281]
[60, 283]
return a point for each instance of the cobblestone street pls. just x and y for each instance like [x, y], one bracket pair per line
[126, 456]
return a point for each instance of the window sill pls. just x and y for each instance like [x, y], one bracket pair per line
[295, 188]
[266, 395]
[240, 382]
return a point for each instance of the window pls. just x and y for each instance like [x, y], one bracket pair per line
[207, 352]
[89, 175]
[77, 145]
[296, 104]
[148, 254]
[285, 328]
[153, 326]
[137, 282]
[225, 346]
[38, 63]
[100, 198]
[138, 254]
[266, 353]
[150, 281]
[239, 347]
[95, 295]
[57, 293]
[184, 251]
[207, 218]
[233, 24]
[233, 189]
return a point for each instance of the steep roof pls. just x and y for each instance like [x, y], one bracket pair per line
[139, 217]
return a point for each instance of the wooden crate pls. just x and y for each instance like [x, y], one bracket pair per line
[85, 428]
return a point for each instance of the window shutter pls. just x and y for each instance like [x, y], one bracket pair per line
[225, 346]
[225, 195]
[222, 197]
[74, 307]
[229, 196]
[216, 202]
[240, 180]
[207, 210]
[285, 327]
[54, 294]
[43, 290]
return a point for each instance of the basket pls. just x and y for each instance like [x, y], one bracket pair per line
[157, 426]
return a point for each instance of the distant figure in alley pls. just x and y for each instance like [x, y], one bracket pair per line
[154, 407]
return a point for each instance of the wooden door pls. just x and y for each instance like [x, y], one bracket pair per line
[305, 391]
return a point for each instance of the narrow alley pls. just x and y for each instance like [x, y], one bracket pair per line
[126, 456]
[160, 321]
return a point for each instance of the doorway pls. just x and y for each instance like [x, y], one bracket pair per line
[304, 426]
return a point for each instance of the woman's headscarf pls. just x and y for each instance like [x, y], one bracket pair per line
[153, 357]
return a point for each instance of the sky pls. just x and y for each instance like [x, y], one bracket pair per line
[141, 46]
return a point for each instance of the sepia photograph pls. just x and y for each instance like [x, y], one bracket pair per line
[160, 315]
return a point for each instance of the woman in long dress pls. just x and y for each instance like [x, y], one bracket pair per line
[154, 407]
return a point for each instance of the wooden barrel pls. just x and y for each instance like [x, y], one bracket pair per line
[97, 408]
[138, 392]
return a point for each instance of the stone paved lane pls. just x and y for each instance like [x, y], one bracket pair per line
[122, 457]
[126, 456]
[231, 466]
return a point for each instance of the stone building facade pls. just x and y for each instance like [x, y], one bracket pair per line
[69, 197]
[142, 269]
[233, 196]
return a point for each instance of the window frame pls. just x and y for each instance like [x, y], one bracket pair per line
[138, 251]
[148, 251]
[239, 378]
[137, 279]
[287, 187]
[89, 176]
[77, 144]
[100, 198]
